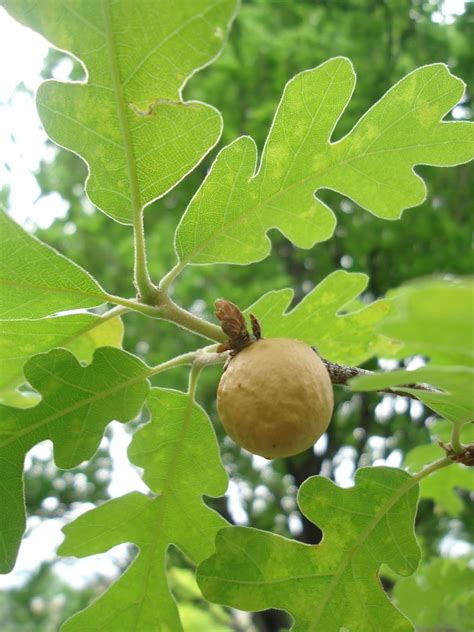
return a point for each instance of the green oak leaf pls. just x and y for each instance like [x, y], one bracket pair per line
[434, 319]
[243, 197]
[317, 319]
[179, 454]
[455, 401]
[36, 281]
[80, 333]
[440, 486]
[333, 585]
[439, 595]
[77, 403]
[128, 120]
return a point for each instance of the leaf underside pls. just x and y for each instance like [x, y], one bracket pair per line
[37, 281]
[179, 453]
[128, 120]
[80, 333]
[333, 585]
[77, 403]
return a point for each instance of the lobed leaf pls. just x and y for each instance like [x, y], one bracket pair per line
[80, 333]
[333, 585]
[128, 120]
[320, 319]
[77, 403]
[242, 199]
[36, 281]
[179, 454]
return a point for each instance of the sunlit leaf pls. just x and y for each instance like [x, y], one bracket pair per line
[77, 403]
[80, 333]
[179, 454]
[128, 120]
[320, 318]
[36, 280]
[334, 585]
[244, 196]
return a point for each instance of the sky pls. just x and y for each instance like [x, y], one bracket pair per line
[22, 147]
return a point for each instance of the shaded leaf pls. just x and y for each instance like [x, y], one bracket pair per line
[243, 198]
[435, 319]
[77, 403]
[320, 318]
[439, 595]
[128, 120]
[36, 281]
[80, 333]
[455, 401]
[180, 457]
[333, 585]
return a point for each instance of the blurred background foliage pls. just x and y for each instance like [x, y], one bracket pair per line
[269, 43]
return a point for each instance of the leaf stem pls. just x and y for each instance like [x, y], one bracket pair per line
[181, 360]
[193, 381]
[341, 374]
[166, 309]
[432, 467]
[181, 317]
[114, 312]
[132, 304]
[142, 280]
[198, 359]
[456, 444]
[170, 276]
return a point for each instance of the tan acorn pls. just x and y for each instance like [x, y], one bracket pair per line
[275, 395]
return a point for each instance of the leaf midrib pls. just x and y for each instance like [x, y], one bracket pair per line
[37, 286]
[121, 111]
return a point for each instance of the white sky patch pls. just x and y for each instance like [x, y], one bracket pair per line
[236, 510]
[125, 477]
[79, 572]
[39, 546]
[22, 138]
[449, 10]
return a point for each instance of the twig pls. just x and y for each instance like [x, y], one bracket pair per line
[341, 374]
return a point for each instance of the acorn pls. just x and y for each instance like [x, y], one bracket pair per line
[275, 396]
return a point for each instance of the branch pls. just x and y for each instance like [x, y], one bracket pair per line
[341, 374]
